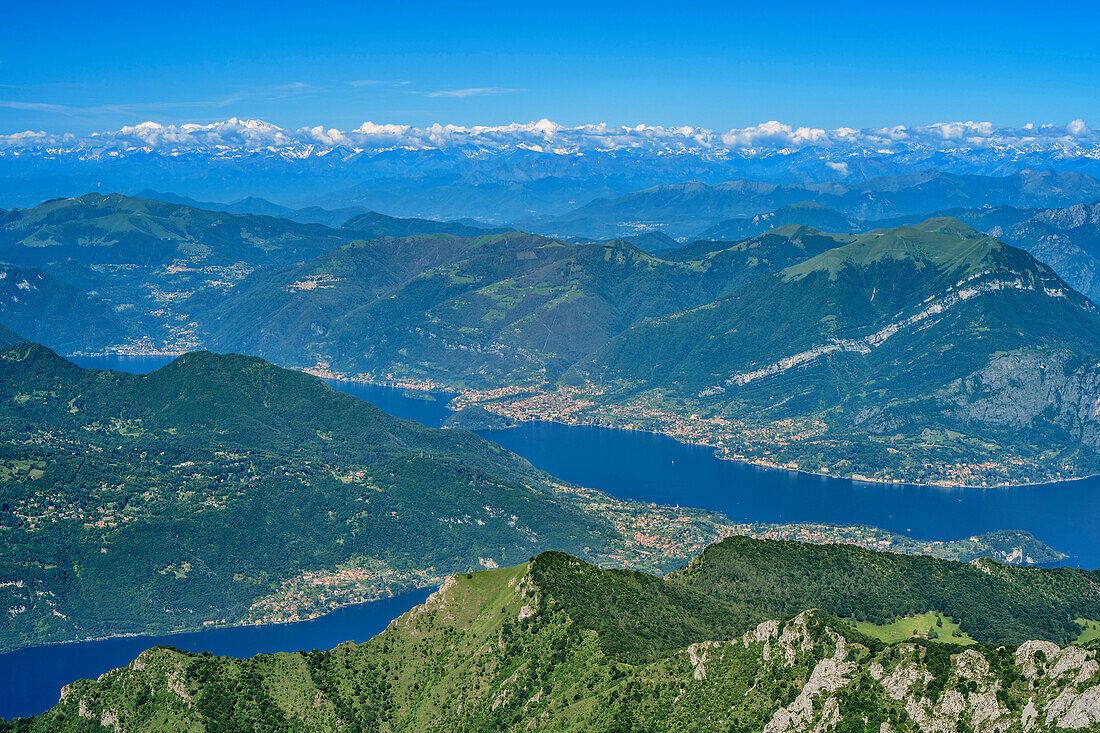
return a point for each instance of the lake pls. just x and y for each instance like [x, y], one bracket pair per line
[627, 464]
[637, 465]
[632, 464]
[31, 679]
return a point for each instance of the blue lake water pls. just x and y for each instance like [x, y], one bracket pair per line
[627, 464]
[31, 679]
[632, 464]
[647, 467]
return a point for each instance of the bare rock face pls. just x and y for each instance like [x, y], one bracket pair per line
[828, 676]
[898, 683]
[1017, 388]
[1063, 685]
[528, 594]
[804, 674]
[697, 653]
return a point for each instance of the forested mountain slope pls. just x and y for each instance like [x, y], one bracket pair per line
[59, 315]
[906, 349]
[559, 644]
[485, 311]
[135, 503]
[9, 337]
[143, 257]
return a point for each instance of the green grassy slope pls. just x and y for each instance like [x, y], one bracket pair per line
[929, 625]
[531, 647]
[901, 332]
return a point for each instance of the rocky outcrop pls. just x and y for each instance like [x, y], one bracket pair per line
[829, 675]
[972, 286]
[1017, 388]
[808, 673]
[1062, 684]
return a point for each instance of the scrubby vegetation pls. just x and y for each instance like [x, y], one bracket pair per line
[557, 644]
[991, 602]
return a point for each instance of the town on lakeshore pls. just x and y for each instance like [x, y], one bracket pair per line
[759, 443]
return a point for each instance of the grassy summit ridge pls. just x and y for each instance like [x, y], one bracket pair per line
[558, 644]
[927, 353]
[945, 244]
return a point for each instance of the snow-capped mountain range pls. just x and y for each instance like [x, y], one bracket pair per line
[501, 173]
[237, 136]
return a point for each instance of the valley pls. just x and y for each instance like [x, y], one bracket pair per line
[654, 536]
[595, 367]
[135, 499]
[111, 519]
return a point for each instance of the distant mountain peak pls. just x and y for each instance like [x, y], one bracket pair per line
[545, 136]
[509, 172]
[950, 226]
[945, 243]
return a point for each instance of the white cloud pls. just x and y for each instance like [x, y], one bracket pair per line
[772, 137]
[470, 92]
[841, 168]
[375, 83]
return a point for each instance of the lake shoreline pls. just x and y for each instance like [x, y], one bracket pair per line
[627, 463]
[452, 394]
[212, 627]
[32, 677]
[431, 387]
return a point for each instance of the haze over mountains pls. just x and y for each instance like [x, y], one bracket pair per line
[501, 174]
[685, 209]
[260, 207]
[454, 305]
[366, 222]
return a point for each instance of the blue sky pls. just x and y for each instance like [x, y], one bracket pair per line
[83, 67]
